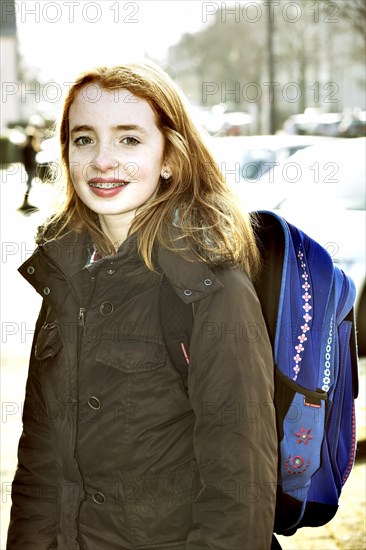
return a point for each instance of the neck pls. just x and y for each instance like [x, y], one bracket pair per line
[116, 228]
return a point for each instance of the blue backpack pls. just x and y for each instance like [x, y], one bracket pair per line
[307, 304]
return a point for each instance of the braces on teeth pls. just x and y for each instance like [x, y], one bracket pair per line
[107, 185]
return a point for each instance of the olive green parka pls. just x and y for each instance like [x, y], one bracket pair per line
[114, 454]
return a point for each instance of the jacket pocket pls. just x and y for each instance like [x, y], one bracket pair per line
[48, 342]
[132, 356]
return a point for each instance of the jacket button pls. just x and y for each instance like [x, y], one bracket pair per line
[46, 291]
[208, 282]
[94, 402]
[30, 270]
[99, 498]
[187, 292]
[111, 271]
[106, 308]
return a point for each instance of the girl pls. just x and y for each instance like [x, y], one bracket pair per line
[116, 453]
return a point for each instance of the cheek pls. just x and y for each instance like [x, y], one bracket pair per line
[73, 165]
[77, 171]
[145, 168]
[80, 166]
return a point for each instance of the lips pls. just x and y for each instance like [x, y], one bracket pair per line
[106, 183]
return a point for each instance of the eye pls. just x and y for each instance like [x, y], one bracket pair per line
[83, 140]
[129, 140]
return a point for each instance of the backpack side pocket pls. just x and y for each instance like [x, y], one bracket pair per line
[301, 424]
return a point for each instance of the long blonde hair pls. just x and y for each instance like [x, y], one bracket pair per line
[195, 203]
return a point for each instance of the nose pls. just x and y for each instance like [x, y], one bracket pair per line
[104, 158]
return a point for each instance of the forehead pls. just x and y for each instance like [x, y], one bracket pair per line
[93, 103]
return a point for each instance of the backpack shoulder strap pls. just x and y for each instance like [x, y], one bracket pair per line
[271, 236]
[176, 318]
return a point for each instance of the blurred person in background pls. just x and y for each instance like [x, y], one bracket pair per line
[116, 452]
[29, 152]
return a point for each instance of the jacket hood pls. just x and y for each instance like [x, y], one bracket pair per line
[191, 279]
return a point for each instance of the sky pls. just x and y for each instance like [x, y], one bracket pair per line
[58, 39]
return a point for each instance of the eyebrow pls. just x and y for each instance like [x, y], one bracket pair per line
[118, 128]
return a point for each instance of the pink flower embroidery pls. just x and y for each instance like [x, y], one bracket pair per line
[304, 436]
[307, 307]
[298, 462]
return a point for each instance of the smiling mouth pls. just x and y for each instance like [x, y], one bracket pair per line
[108, 185]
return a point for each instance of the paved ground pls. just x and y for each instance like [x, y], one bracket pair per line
[345, 532]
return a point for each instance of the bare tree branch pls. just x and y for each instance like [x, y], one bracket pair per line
[355, 12]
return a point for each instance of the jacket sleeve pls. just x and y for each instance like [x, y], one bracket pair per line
[34, 495]
[231, 388]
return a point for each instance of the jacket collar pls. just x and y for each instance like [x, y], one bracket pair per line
[191, 279]
[66, 255]
[69, 252]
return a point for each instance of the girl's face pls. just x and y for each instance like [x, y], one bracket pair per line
[115, 151]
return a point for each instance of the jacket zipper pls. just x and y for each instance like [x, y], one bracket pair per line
[57, 267]
[81, 326]
[81, 317]
[82, 310]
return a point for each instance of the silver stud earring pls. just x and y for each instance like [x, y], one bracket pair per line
[165, 174]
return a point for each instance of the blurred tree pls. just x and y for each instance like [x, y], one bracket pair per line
[226, 53]
[318, 60]
[355, 11]
[271, 67]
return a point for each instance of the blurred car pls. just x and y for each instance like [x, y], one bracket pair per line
[249, 157]
[349, 123]
[322, 190]
[328, 124]
[353, 125]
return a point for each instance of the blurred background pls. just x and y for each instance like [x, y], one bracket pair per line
[279, 88]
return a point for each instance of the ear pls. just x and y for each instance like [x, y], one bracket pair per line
[167, 165]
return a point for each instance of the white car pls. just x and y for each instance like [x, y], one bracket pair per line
[247, 158]
[322, 190]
